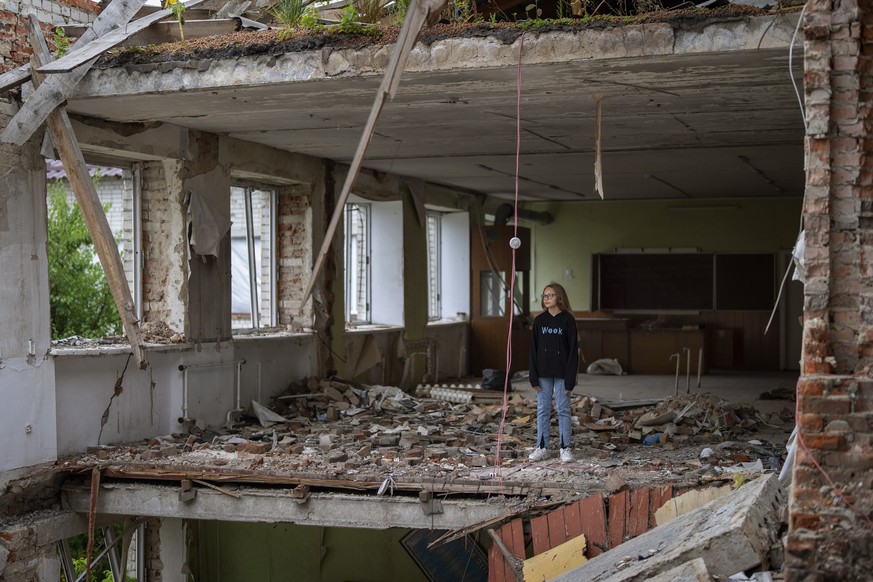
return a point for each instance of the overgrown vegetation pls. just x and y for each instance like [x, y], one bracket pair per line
[62, 42]
[79, 296]
[290, 14]
[177, 8]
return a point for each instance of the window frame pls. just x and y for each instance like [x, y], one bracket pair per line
[363, 267]
[260, 317]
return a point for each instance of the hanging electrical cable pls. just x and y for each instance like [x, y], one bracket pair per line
[514, 244]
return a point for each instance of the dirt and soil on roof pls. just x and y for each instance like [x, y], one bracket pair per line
[266, 42]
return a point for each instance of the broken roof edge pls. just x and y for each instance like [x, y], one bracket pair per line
[281, 506]
[193, 70]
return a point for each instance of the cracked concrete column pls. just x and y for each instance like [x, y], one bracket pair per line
[27, 378]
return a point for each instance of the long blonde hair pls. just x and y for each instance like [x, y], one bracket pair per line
[563, 300]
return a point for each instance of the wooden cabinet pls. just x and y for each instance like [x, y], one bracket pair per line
[651, 350]
[640, 351]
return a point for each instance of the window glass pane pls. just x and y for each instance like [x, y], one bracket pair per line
[491, 296]
[357, 263]
[244, 303]
[518, 304]
[434, 233]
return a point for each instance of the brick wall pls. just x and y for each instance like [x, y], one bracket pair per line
[164, 254]
[14, 45]
[294, 243]
[829, 536]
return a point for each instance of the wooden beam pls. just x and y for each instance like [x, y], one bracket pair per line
[107, 41]
[53, 92]
[86, 195]
[418, 12]
[14, 78]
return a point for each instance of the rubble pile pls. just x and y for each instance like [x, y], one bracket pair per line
[338, 430]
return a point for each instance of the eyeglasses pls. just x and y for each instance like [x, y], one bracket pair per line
[549, 295]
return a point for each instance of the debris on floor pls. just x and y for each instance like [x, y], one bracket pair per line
[335, 433]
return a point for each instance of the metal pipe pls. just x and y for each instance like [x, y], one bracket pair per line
[66, 560]
[699, 365]
[677, 356]
[436, 366]
[114, 564]
[184, 369]
[687, 370]
[237, 408]
[140, 552]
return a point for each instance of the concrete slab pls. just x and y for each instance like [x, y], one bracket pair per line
[279, 506]
[730, 534]
[693, 571]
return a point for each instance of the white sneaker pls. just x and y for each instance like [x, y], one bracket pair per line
[566, 456]
[539, 454]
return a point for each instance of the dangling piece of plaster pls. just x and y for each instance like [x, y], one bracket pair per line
[598, 161]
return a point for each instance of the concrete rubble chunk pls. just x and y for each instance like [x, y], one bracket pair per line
[729, 534]
[4, 555]
[693, 571]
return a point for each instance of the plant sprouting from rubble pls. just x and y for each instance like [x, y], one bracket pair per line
[62, 41]
[462, 11]
[398, 10]
[370, 11]
[79, 296]
[644, 6]
[290, 14]
[177, 8]
[310, 19]
[350, 23]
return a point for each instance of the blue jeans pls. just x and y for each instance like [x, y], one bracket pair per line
[549, 386]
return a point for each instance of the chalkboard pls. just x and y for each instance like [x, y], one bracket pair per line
[745, 281]
[703, 281]
[656, 281]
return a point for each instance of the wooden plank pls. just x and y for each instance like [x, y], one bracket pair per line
[89, 203]
[573, 520]
[556, 561]
[52, 92]
[617, 518]
[516, 543]
[592, 511]
[504, 551]
[638, 517]
[660, 496]
[557, 528]
[495, 565]
[539, 531]
[94, 49]
[14, 78]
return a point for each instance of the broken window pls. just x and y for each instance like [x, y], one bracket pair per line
[80, 298]
[357, 263]
[373, 262]
[253, 281]
[448, 265]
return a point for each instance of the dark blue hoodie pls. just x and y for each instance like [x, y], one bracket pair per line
[554, 348]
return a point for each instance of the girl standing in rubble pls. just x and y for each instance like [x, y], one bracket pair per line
[554, 360]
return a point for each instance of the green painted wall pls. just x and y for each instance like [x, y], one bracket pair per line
[258, 552]
[582, 229]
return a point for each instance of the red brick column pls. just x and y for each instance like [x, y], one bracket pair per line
[830, 531]
[294, 216]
